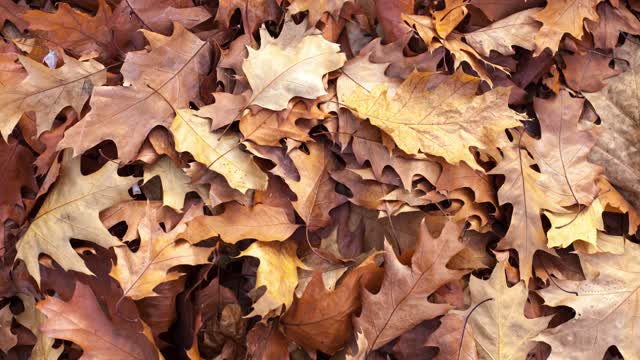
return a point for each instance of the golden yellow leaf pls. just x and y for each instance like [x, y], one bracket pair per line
[563, 16]
[588, 225]
[277, 271]
[140, 272]
[297, 61]
[71, 210]
[439, 115]
[47, 91]
[219, 151]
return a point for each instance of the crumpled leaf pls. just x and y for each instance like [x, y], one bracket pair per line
[7, 338]
[71, 210]
[439, 115]
[298, 59]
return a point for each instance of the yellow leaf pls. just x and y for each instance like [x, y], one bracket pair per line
[218, 151]
[296, 60]
[277, 271]
[439, 115]
[72, 210]
[560, 17]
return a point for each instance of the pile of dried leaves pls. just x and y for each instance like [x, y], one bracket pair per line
[315, 179]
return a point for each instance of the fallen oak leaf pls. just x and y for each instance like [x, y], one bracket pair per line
[278, 272]
[402, 300]
[617, 148]
[33, 319]
[563, 16]
[47, 91]
[428, 108]
[71, 210]
[298, 59]
[500, 328]
[161, 82]
[605, 307]
[92, 34]
[518, 29]
[82, 321]
[219, 152]
[315, 188]
[237, 222]
[175, 183]
[140, 272]
[521, 190]
[321, 319]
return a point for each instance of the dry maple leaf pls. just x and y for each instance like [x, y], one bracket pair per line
[71, 210]
[82, 321]
[402, 300]
[175, 183]
[605, 305]
[520, 189]
[321, 319]
[617, 148]
[560, 17]
[315, 189]
[140, 272]
[162, 80]
[297, 60]
[500, 328]
[439, 115]
[518, 29]
[261, 222]
[47, 91]
[91, 34]
[561, 153]
[219, 152]
[277, 271]
[33, 319]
